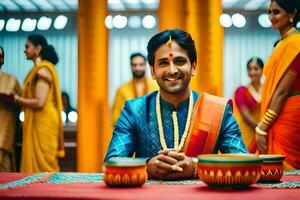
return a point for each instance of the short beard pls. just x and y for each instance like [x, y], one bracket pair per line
[138, 75]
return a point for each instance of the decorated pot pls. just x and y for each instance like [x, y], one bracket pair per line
[125, 172]
[229, 170]
[272, 169]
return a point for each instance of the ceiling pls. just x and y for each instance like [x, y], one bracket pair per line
[38, 5]
[245, 4]
[113, 5]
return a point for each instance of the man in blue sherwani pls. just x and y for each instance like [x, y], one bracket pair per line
[173, 125]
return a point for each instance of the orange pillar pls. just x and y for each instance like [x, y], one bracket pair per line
[194, 24]
[93, 109]
[216, 46]
[203, 24]
[172, 14]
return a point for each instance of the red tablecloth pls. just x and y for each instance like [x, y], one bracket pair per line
[42, 190]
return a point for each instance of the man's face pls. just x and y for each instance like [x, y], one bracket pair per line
[138, 67]
[1, 58]
[172, 69]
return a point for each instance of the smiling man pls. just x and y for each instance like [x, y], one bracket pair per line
[172, 126]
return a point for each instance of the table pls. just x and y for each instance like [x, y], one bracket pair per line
[91, 186]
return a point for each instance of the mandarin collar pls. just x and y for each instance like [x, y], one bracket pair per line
[165, 105]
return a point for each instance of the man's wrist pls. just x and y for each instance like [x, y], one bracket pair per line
[195, 167]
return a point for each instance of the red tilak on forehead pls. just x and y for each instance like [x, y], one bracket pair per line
[170, 55]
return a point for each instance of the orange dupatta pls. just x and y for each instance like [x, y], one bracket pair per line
[207, 120]
[279, 61]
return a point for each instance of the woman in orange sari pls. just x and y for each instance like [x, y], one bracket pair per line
[42, 105]
[247, 103]
[279, 129]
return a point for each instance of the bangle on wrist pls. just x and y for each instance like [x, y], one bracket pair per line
[272, 112]
[266, 122]
[260, 132]
[269, 119]
[269, 116]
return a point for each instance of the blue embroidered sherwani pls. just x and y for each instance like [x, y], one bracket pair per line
[137, 130]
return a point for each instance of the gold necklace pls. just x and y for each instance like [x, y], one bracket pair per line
[175, 124]
[289, 32]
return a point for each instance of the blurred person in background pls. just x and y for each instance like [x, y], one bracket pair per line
[9, 86]
[67, 108]
[138, 86]
[247, 103]
[42, 104]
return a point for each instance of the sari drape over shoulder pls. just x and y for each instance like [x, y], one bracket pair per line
[42, 129]
[206, 125]
[243, 98]
[283, 136]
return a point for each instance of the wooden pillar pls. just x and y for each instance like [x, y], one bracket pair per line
[93, 109]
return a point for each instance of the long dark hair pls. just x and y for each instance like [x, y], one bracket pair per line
[182, 38]
[290, 6]
[48, 51]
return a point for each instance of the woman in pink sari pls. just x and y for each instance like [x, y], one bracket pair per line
[247, 103]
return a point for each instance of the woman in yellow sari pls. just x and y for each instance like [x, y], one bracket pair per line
[247, 103]
[42, 105]
[279, 129]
